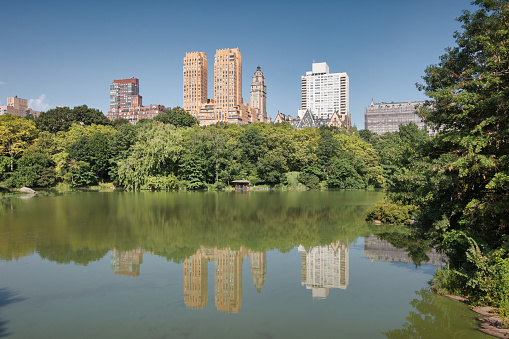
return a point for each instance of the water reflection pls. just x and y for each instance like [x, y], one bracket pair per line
[198, 250]
[127, 262]
[324, 267]
[431, 317]
[227, 278]
[381, 250]
[7, 297]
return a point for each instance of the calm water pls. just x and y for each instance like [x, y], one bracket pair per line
[213, 265]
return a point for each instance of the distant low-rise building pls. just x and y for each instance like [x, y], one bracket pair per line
[19, 107]
[385, 117]
[311, 120]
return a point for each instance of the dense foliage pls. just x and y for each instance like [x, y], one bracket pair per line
[172, 151]
[460, 178]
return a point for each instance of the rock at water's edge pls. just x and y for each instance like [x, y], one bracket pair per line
[27, 190]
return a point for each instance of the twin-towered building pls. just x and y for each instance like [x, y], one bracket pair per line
[227, 105]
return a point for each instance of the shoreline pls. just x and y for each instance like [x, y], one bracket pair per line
[490, 322]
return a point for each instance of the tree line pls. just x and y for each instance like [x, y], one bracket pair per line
[81, 147]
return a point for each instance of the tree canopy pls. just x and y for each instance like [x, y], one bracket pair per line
[16, 134]
[177, 117]
[61, 118]
[468, 177]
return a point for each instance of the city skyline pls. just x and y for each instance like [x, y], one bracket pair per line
[64, 57]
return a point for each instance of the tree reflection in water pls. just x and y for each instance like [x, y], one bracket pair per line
[435, 316]
[6, 298]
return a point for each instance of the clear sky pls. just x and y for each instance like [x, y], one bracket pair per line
[66, 53]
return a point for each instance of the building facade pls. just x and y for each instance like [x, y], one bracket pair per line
[125, 93]
[19, 107]
[385, 117]
[126, 102]
[308, 119]
[227, 105]
[324, 93]
[195, 82]
[259, 95]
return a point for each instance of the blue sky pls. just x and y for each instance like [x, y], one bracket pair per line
[66, 53]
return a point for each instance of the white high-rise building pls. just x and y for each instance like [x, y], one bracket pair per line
[324, 93]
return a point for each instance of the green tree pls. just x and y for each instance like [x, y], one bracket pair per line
[62, 118]
[156, 153]
[16, 135]
[117, 123]
[327, 148]
[468, 178]
[343, 175]
[310, 176]
[34, 169]
[177, 117]
[120, 144]
[252, 143]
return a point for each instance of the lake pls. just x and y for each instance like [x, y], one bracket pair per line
[258, 264]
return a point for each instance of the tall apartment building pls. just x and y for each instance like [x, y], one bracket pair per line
[125, 93]
[227, 79]
[227, 105]
[324, 93]
[195, 82]
[385, 117]
[126, 102]
[259, 95]
[19, 107]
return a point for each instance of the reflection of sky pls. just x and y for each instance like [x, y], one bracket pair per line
[67, 300]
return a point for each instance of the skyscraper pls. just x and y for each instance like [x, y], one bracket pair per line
[195, 82]
[227, 81]
[324, 93]
[259, 95]
[227, 105]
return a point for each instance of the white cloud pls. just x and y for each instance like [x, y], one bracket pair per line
[39, 104]
[2, 83]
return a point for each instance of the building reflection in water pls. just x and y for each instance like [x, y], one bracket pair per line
[227, 277]
[127, 262]
[380, 250]
[258, 269]
[324, 267]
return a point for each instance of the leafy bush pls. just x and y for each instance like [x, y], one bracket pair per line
[391, 213]
[219, 185]
[343, 175]
[160, 183]
[483, 277]
[310, 176]
[34, 170]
